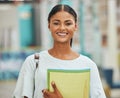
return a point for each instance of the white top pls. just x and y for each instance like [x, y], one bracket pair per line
[25, 83]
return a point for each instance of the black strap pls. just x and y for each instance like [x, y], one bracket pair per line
[36, 57]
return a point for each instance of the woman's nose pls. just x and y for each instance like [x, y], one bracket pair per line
[62, 26]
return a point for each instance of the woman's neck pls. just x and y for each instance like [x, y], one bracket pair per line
[62, 48]
[63, 52]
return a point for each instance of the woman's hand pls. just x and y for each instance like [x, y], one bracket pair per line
[54, 94]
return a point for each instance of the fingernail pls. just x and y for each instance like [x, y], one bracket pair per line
[43, 91]
[53, 82]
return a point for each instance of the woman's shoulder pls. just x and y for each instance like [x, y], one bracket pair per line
[40, 53]
[30, 59]
[87, 60]
[84, 57]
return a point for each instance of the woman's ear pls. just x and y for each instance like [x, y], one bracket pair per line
[76, 27]
[49, 25]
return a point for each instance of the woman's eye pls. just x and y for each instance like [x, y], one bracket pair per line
[55, 23]
[68, 24]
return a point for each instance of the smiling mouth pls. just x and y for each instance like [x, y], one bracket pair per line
[62, 34]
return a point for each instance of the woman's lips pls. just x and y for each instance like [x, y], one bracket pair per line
[62, 33]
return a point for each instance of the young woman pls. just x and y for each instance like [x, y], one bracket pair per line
[62, 22]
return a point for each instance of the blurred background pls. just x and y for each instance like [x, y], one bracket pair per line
[24, 31]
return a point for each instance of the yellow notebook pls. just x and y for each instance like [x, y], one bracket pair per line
[71, 83]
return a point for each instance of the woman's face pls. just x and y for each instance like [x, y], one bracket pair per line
[62, 26]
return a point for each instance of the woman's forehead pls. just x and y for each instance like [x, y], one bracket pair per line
[62, 15]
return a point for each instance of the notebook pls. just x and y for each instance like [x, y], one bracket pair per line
[71, 83]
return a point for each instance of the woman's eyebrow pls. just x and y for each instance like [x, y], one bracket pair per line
[56, 20]
[68, 21]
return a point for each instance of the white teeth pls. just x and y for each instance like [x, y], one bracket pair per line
[61, 34]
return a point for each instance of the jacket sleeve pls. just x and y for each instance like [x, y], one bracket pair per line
[25, 82]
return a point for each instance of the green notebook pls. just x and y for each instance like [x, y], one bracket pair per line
[71, 83]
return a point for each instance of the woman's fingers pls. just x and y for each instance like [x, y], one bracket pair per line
[45, 93]
[54, 86]
[56, 91]
[54, 94]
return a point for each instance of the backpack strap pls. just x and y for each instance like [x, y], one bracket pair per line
[36, 58]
